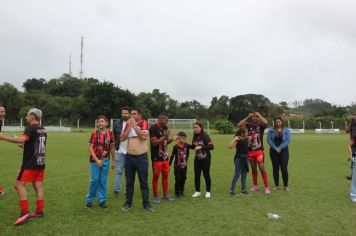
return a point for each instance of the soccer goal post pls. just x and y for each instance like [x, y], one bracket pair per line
[177, 125]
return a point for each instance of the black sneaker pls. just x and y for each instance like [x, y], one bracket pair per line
[126, 207]
[232, 193]
[149, 209]
[116, 194]
[245, 193]
[103, 205]
[349, 177]
[88, 205]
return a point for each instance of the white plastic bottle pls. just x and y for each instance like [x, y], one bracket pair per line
[273, 216]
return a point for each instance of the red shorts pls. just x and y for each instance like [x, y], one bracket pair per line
[257, 156]
[30, 176]
[160, 166]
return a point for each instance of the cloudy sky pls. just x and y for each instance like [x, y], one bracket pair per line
[191, 49]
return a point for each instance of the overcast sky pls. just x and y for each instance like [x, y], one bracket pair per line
[191, 49]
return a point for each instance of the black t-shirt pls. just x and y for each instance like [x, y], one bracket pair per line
[181, 155]
[256, 132]
[34, 153]
[352, 130]
[242, 146]
[158, 152]
[204, 141]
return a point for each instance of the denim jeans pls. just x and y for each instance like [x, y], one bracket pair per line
[120, 165]
[98, 182]
[241, 161]
[137, 164]
[353, 181]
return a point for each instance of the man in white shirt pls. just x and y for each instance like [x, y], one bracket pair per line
[120, 148]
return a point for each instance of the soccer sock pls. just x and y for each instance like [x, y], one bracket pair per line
[165, 184]
[265, 178]
[0, 189]
[24, 206]
[40, 204]
[254, 177]
[155, 185]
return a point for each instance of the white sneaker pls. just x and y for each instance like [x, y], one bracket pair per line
[207, 195]
[353, 199]
[196, 194]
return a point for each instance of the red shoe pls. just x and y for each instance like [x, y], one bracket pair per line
[23, 218]
[37, 214]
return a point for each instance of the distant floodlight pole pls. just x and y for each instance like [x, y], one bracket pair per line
[319, 124]
[332, 124]
[81, 58]
[70, 64]
[78, 123]
[60, 122]
[21, 121]
[288, 123]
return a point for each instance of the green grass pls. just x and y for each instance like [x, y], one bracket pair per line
[318, 204]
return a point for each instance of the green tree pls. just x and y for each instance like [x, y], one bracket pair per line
[34, 84]
[155, 102]
[12, 99]
[242, 105]
[219, 107]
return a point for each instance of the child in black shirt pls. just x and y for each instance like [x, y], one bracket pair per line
[180, 156]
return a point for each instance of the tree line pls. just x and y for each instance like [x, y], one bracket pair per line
[71, 98]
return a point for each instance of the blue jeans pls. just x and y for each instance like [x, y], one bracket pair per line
[120, 165]
[353, 181]
[98, 182]
[240, 169]
[137, 164]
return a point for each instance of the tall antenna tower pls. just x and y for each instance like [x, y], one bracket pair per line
[70, 64]
[81, 58]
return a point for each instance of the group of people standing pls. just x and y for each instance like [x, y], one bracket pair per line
[248, 142]
[128, 143]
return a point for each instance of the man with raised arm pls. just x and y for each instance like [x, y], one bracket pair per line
[256, 124]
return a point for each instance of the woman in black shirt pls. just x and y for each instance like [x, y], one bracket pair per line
[202, 145]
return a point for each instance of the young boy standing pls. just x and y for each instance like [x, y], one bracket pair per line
[101, 145]
[180, 155]
[33, 142]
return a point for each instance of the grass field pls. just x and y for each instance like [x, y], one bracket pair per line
[318, 204]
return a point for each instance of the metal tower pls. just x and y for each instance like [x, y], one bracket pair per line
[81, 72]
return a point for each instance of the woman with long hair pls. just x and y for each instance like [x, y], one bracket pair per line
[278, 138]
[202, 145]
